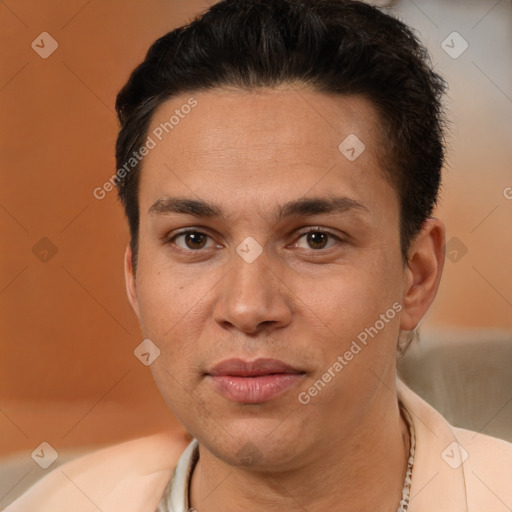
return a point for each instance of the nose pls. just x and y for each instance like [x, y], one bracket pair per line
[252, 297]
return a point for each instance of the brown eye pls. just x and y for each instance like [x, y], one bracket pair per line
[317, 239]
[193, 240]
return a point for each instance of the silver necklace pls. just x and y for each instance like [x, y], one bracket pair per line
[406, 490]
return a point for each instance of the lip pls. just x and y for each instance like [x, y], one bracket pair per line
[262, 366]
[253, 382]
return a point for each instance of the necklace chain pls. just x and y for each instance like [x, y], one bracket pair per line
[406, 490]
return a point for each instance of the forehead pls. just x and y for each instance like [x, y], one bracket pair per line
[271, 140]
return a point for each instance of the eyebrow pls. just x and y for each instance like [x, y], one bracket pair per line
[303, 207]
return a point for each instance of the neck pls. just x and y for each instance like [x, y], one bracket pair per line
[362, 471]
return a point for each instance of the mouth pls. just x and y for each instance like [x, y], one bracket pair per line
[253, 382]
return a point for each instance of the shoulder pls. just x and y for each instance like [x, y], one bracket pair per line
[487, 469]
[483, 447]
[129, 476]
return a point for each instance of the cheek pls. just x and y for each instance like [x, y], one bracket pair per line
[167, 296]
[350, 297]
[167, 319]
[360, 325]
[175, 306]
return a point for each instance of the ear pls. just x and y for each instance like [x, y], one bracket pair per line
[423, 273]
[129, 275]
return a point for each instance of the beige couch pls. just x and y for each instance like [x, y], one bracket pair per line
[466, 375]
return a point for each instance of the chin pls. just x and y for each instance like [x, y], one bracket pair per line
[260, 444]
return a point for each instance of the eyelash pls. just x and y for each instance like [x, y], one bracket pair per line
[318, 229]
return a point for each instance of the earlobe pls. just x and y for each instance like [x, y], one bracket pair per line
[423, 273]
[129, 275]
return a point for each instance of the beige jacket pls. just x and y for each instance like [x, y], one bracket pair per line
[455, 470]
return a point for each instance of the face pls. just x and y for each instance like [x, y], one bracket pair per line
[267, 254]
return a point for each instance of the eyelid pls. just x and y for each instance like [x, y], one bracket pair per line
[315, 229]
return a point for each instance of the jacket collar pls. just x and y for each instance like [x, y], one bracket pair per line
[437, 476]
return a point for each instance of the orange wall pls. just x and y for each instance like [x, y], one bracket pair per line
[68, 373]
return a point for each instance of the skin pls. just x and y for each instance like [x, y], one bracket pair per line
[300, 302]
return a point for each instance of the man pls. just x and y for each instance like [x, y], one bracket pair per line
[279, 162]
